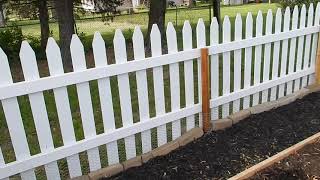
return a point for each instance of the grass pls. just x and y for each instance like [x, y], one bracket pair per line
[89, 27]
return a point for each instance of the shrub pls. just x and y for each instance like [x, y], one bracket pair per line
[10, 41]
[299, 3]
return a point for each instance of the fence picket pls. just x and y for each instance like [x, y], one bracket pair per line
[63, 106]
[142, 88]
[257, 58]
[302, 24]
[276, 54]
[85, 103]
[247, 61]
[226, 37]
[267, 53]
[314, 43]
[38, 108]
[201, 42]
[120, 54]
[307, 45]
[156, 50]
[13, 118]
[188, 72]
[2, 163]
[237, 62]
[174, 79]
[100, 59]
[214, 40]
[293, 44]
[284, 52]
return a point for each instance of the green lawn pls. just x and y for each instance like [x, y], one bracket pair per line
[89, 27]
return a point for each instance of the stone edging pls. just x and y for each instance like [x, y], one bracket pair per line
[276, 158]
[112, 170]
[227, 122]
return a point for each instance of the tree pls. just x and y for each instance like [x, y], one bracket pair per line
[2, 15]
[44, 22]
[157, 13]
[216, 9]
[64, 12]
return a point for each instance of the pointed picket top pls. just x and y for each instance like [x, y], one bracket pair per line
[310, 15]
[28, 62]
[238, 27]
[317, 15]
[226, 29]
[99, 50]
[138, 44]
[295, 16]
[286, 20]
[5, 76]
[120, 51]
[155, 38]
[201, 33]
[303, 17]
[249, 22]
[171, 38]
[259, 24]
[278, 20]
[187, 35]
[77, 54]
[214, 31]
[269, 22]
[54, 57]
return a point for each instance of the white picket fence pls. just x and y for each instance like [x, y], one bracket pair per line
[283, 61]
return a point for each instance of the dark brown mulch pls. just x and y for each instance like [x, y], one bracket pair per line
[222, 154]
[305, 164]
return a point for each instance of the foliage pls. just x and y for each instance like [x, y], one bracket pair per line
[10, 41]
[299, 3]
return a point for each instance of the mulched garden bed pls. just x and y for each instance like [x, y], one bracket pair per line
[223, 154]
[302, 165]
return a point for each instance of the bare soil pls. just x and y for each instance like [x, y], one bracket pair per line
[223, 154]
[305, 164]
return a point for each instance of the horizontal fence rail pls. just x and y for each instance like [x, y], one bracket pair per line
[115, 112]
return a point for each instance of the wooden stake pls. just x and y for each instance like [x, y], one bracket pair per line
[205, 90]
[318, 63]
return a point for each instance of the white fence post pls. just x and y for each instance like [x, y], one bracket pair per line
[293, 42]
[142, 88]
[302, 24]
[307, 45]
[174, 79]
[257, 58]
[100, 58]
[226, 37]
[284, 52]
[156, 50]
[267, 55]
[85, 103]
[120, 54]
[63, 106]
[188, 72]
[237, 62]
[214, 40]
[276, 54]
[247, 60]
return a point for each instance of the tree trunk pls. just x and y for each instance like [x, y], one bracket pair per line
[64, 11]
[157, 13]
[2, 17]
[191, 3]
[216, 9]
[44, 22]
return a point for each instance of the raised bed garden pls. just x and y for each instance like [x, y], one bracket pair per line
[223, 154]
[301, 165]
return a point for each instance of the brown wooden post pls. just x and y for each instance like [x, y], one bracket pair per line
[318, 63]
[205, 84]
